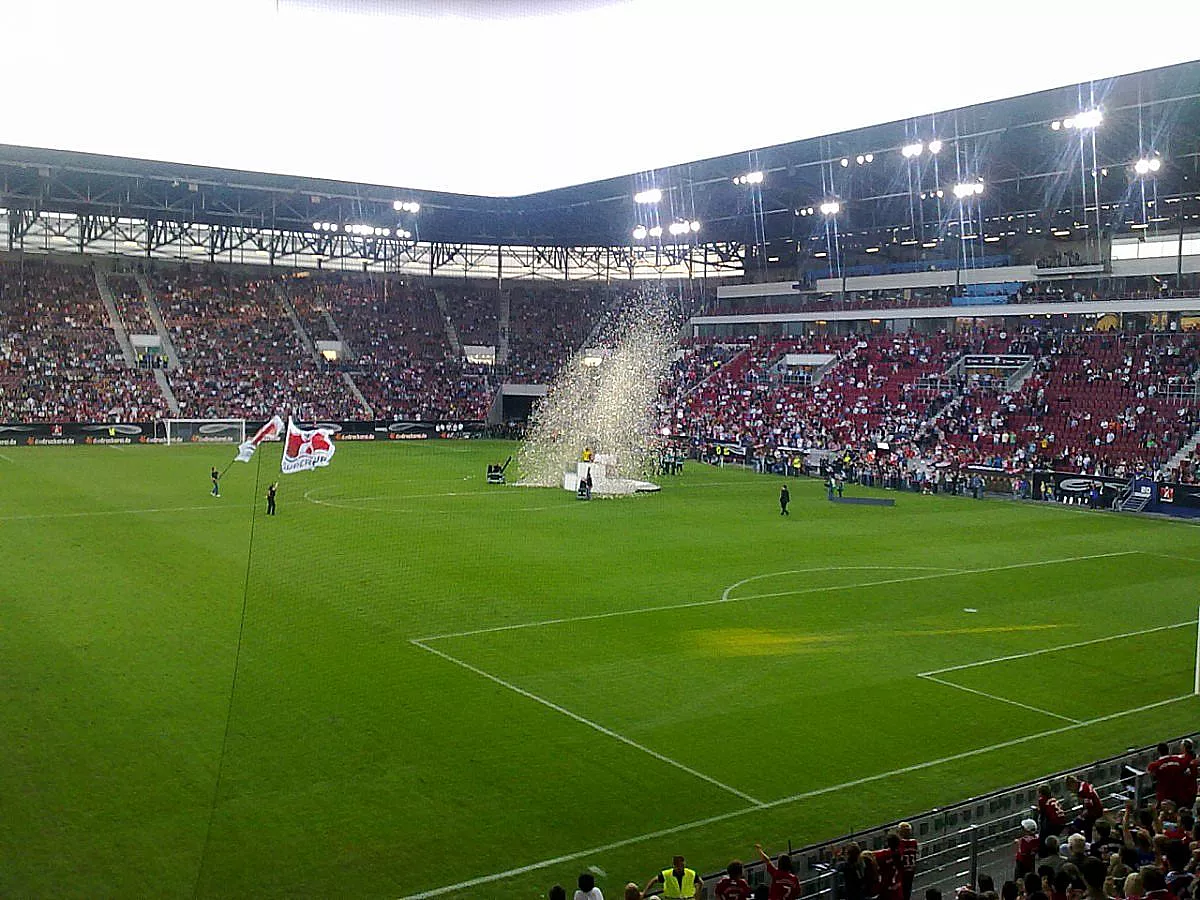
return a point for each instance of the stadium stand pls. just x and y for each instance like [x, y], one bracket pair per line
[240, 355]
[547, 326]
[59, 358]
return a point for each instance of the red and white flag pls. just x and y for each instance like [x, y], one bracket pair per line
[269, 432]
[304, 450]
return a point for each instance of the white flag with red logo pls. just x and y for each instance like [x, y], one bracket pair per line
[272, 431]
[304, 450]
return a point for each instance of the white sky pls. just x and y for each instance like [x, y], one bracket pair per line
[514, 104]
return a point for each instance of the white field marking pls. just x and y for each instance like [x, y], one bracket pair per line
[1028, 653]
[950, 574]
[1035, 709]
[589, 723]
[7, 458]
[647, 609]
[114, 512]
[783, 801]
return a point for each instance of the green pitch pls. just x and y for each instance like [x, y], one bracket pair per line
[443, 684]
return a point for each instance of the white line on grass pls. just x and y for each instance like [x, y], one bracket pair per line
[1035, 709]
[1103, 640]
[113, 512]
[648, 609]
[783, 801]
[1172, 556]
[589, 723]
[7, 458]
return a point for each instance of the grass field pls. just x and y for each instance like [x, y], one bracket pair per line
[445, 689]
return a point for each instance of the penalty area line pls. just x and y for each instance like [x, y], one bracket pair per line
[1036, 709]
[1029, 653]
[783, 801]
[596, 726]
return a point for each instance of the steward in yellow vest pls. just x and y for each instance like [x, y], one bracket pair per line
[678, 882]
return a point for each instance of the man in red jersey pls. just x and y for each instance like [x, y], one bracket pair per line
[1168, 774]
[908, 857]
[891, 869]
[733, 885]
[1051, 817]
[784, 883]
[1188, 774]
[1093, 807]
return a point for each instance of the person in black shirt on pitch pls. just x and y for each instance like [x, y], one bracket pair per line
[784, 499]
[216, 481]
[271, 498]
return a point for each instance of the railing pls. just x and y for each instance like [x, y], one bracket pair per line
[974, 836]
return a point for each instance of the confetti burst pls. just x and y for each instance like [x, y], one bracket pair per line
[605, 399]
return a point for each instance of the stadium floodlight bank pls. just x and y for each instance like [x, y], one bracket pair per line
[205, 431]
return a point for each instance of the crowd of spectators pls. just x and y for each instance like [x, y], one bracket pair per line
[1100, 403]
[546, 326]
[59, 358]
[240, 354]
[475, 312]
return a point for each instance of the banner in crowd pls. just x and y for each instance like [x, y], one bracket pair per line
[40, 434]
[1160, 497]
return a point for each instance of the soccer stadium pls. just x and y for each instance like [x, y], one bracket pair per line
[581, 449]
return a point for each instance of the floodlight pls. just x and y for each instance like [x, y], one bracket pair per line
[908, 151]
[695, 226]
[967, 189]
[860, 159]
[1089, 119]
[317, 226]
[677, 228]
[830, 208]
[1145, 166]
[935, 147]
[653, 195]
[845, 162]
[397, 206]
[656, 231]
[870, 157]
[1055, 125]
[387, 232]
[331, 226]
[639, 233]
[749, 178]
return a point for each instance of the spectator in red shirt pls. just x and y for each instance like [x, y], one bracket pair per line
[733, 885]
[784, 883]
[1168, 773]
[1051, 817]
[909, 851]
[891, 869]
[1027, 848]
[1188, 777]
[1093, 806]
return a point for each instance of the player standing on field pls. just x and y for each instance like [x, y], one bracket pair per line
[216, 481]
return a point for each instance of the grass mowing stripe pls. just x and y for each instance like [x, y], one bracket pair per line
[950, 574]
[969, 690]
[1028, 653]
[783, 801]
[590, 724]
[110, 512]
[725, 598]
[590, 617]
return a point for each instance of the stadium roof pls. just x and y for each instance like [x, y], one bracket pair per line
[1027, 163]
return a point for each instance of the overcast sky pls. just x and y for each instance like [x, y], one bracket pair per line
[514, 96]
